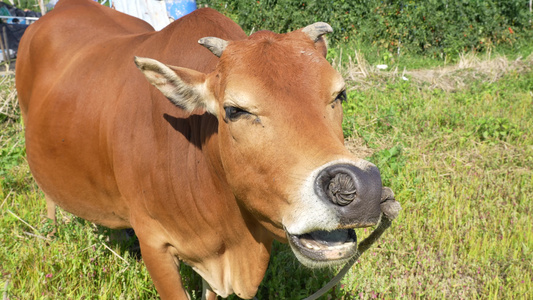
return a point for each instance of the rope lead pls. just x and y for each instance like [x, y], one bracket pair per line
[362, 247]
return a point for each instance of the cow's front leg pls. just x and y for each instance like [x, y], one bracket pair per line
[207, 292]
[164, 271]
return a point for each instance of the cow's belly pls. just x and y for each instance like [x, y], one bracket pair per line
[68, 157]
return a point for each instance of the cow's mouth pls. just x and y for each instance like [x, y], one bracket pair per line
[331, 247]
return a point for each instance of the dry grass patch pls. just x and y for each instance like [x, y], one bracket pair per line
[8, 98]
[471, 67]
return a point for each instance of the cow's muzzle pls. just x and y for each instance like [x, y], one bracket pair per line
[357, 195]
[353, 192]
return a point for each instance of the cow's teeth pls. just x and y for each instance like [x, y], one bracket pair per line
[307, 244]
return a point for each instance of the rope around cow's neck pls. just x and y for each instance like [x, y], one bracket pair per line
[362, 247]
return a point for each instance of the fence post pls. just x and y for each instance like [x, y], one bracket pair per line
[41, 5]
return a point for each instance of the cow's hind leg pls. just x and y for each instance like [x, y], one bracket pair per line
[51, 214]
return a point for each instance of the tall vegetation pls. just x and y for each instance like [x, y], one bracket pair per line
[435, 27]
[24, 4]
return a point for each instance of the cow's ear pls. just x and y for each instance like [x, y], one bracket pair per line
[322, 46]
[184, 87]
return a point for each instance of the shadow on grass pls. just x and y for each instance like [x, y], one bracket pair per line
[285, 277]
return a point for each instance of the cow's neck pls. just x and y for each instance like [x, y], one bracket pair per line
[229, 235]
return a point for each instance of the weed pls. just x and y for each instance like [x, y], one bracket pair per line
[487, 128]
[390, 162]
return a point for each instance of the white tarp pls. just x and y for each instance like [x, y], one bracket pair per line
[152, 11]
[158, 13]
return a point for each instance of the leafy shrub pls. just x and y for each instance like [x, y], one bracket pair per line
[430, 27]
[390, 163]
[25, 4]
[496, 128]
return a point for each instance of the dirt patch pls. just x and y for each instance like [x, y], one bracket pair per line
[357, 147]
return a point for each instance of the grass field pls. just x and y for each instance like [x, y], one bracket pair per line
[455, 144]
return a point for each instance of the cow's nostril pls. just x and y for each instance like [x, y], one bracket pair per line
[341, 189]
[339, 184]
[353, 191]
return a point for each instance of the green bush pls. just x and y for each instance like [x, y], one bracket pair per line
[436, 27]
[25, 4]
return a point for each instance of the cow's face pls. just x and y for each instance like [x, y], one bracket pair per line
[279, 106]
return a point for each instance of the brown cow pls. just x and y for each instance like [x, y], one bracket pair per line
[248, 149]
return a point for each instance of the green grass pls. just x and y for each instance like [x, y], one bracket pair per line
[464, 178]
[460, 163]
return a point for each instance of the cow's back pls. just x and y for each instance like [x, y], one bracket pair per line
[50, 45]
[89, 114]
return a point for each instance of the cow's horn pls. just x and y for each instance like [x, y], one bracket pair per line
[214, 44]
[316, 30]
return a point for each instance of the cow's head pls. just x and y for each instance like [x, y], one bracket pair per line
[279, 107]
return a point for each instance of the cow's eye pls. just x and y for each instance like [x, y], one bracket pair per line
[341, 96]
[233, 113]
